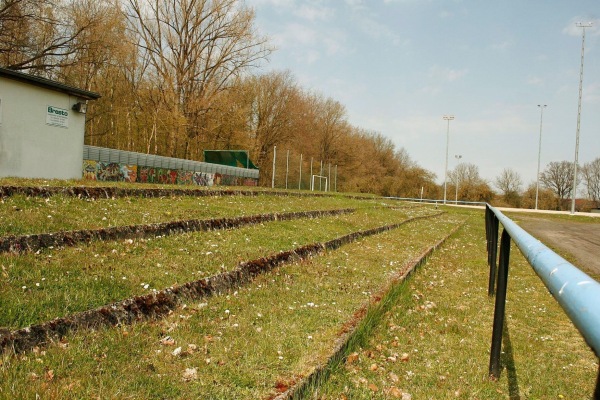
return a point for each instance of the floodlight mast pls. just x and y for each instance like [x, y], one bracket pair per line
[458, 157]
[537, 185]
[447, 118]
[581, 25]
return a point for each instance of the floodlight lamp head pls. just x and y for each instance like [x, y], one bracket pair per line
[584, 24]
[448, 117]
[80, 107]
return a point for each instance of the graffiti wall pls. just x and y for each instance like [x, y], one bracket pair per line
[114, 172]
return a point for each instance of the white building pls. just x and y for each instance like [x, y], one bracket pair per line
[42, 124]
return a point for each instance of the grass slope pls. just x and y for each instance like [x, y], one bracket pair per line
[249, 343]
[258, 340]
[435, 343]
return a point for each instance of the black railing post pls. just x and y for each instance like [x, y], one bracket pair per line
[597, 390]
[492, 224]
[488, 229]
[500, 306]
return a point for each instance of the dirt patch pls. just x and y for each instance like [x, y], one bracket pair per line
[580, 239]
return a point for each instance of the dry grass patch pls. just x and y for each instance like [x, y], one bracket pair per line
[249, 343]
[435, 343]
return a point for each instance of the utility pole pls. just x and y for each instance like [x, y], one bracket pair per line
[274, 157]
[581, 25]
[447, 118]
[537, 185]
[458, 157]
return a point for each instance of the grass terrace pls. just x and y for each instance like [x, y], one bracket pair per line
[425, 337]
[57, 282]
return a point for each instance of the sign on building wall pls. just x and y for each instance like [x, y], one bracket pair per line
[57, 117]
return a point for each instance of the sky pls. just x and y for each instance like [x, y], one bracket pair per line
[399, 66]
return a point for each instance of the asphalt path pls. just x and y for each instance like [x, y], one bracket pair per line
[579, 239]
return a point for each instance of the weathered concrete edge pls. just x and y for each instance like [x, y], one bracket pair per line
[342, 343]
[160, 303]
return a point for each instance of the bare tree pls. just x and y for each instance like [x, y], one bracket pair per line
[471, 186]
[195, 48]
[558, 177]
[591, 177]
[331, 124]
[547, 200]
[466, 173]
[274, 97]
[38, 35]
[509, 182]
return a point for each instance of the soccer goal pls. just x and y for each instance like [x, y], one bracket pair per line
[320, 178]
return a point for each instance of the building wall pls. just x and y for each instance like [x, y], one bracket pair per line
[29, 146]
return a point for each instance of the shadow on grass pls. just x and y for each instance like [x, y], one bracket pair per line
[508, 362]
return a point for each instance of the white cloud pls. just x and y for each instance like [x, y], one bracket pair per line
[534, 80]
[309, 56]
[334, 43]
[356, 4]
[403, 1]
[444, 74]
[438, 76]
[368, 22]
[502, 46]
[591, 93]
[271, 3]
[314, 12]
[295, 34]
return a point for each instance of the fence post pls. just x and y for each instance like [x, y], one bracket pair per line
[311, 174]
[335, 181]
[300, 178]
[328, 189]
[274, 158]
[491, 230]
[321, 174]
[500, 306]
[287, 168]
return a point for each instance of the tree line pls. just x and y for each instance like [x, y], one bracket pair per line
[181, 76]
[556, 187]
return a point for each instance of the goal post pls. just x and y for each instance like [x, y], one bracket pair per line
[321, 179]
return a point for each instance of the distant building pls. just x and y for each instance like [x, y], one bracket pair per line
[42, 126]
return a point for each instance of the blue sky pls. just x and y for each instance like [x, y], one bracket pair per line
[399, 65]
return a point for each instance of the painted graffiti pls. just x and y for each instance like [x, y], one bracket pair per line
[95, 170]
[203, 179]
[109, 172]
[89, 169]
[185, 177]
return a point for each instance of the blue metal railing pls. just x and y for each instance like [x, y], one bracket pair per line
[438, 201]
[577, 293]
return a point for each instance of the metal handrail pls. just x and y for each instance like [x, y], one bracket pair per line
[437, 201]
[576, 292]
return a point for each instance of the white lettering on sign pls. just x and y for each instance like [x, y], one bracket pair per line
[57, 117]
